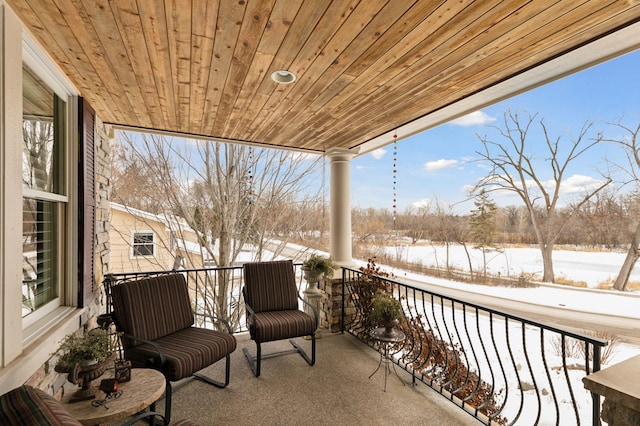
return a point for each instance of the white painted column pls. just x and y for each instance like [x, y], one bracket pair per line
[340, 206]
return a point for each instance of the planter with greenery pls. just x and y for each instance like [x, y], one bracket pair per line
[84, 358]
[317, 266]
[385, 310]
[90, 348]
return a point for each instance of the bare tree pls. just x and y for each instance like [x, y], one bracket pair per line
[231, 195]
[513, 169]
[631, 147]
[37, 154]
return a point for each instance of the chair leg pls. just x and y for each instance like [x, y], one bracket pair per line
[167, 403]
[254, 362]
[312, 360]
[216, 383]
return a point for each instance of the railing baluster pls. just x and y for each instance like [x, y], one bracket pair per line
[548, 373]
[434, 353]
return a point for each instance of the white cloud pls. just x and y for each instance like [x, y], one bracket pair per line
[576, 184]
[433, 166]
[476, 118]
[579, 183]
[378, 153]
[422, 204]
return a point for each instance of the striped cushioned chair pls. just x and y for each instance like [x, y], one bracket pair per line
[271, 299]
[27, 406]
[157, 319]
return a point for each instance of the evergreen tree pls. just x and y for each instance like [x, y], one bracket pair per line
[483, 225]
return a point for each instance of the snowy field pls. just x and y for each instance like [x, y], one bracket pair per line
[592, 268]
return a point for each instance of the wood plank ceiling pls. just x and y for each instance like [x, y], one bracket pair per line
[364, 68]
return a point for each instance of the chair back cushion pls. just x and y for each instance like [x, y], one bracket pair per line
[151, 308]
[270, 286]
[27, 406]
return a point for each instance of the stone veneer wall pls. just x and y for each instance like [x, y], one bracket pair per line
[46, 378]
[331, 315]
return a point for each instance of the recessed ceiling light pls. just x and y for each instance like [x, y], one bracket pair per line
[283, 77]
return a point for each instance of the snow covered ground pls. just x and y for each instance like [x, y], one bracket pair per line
[592, 268]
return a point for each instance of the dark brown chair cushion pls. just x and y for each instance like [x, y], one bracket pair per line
[275, 292]
[151, 308]
[28, 406]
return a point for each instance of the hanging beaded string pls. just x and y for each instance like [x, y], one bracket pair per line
[395, 181]
[250, 177]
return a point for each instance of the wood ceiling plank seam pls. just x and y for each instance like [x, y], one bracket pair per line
[383, 20]
[514, 55]
[452, 99]
[129, 24]
[205, 16]
[179, 16]
[439, 67]
[456, 96]
[84, 32]
[399, 31]
[99, 16]
[583, 37]
[255, 74]
[443, 16]
[153, 19]
[56, 37]
[276, 29]
[301, 29]
[448, 75]
[420, 53]
[598, 26]
[355, 23]
[230, 15]
[385, 61]
[325, 28]
[548, 17]
[397, 61]
[282, 18]
[372, 74]
[251, 30]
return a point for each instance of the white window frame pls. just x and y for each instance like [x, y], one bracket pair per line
[132, 252]
[38, 322]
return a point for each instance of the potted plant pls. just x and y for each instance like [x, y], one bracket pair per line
[385, 310]
[316, 266]
[88, 349]
[84, 358]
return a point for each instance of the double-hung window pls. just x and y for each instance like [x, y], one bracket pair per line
[44, 202]
[142, 244]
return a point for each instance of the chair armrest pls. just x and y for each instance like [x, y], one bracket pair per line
[250, 316]
[313, 308]
[163, 357]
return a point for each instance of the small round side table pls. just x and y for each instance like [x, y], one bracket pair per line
[387, 340]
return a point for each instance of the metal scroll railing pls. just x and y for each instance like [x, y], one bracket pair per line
[500, 368]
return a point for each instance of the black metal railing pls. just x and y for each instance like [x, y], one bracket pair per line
[214, 291]
[500, 368]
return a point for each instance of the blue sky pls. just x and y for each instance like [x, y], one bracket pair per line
[441, 163]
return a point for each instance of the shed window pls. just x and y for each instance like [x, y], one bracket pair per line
[143, 244]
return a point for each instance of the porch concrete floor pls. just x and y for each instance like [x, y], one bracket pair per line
[336, 391]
